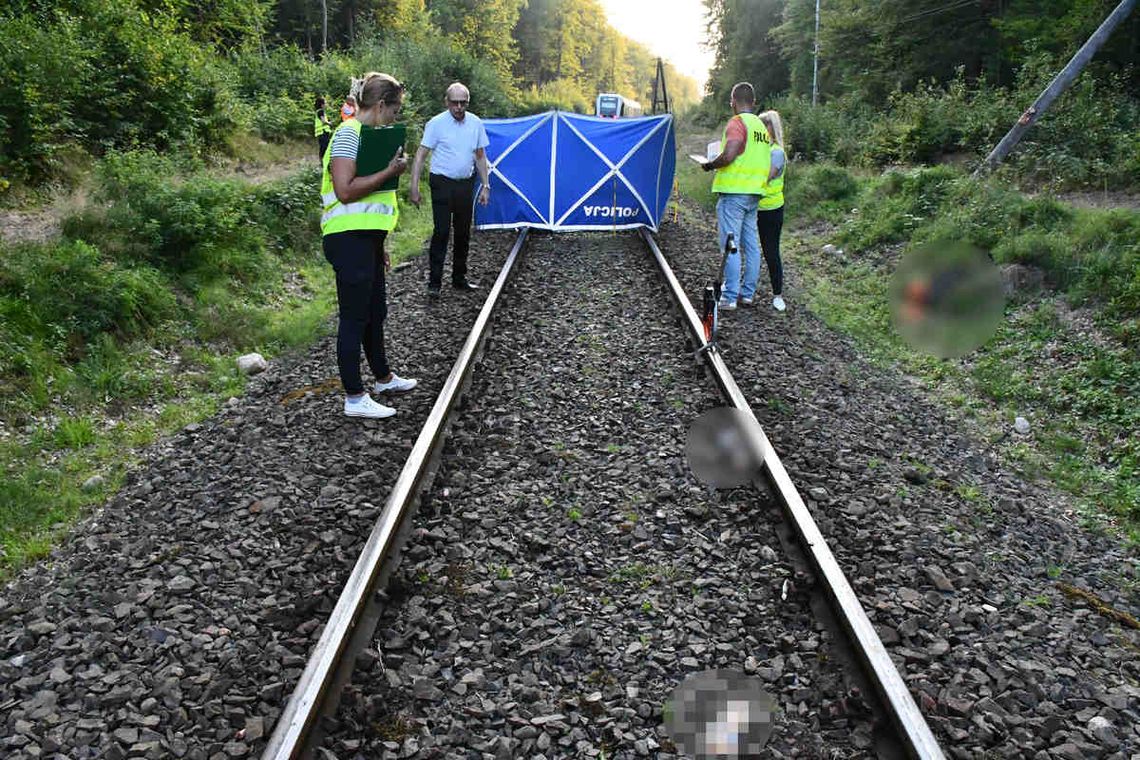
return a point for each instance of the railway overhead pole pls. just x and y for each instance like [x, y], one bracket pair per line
[1058, 86]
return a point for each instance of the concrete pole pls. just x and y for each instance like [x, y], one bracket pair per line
[1059, 84]
[815, 62]
[324, 26]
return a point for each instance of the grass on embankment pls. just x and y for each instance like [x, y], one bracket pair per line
[127, 327]
[1067, 359]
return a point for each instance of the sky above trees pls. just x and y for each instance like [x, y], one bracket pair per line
[672, 29]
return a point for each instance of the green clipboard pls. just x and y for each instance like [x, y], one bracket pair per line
[378, 145]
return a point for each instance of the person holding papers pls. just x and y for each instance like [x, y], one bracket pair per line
[358, 199]
[742, 169]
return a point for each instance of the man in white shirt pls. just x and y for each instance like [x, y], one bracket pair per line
[458, 140]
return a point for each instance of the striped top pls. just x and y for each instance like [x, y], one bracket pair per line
[345, 144]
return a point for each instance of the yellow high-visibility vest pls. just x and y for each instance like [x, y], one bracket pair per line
[748, 172]
[772, 196]
[375, 211]
[320, 128]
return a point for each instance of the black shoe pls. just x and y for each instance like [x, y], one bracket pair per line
[465, 285]
[433, 292]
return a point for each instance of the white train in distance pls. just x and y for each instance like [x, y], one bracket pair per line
[610, 105]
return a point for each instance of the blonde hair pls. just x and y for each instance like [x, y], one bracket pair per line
[374, 88]
[772, 120]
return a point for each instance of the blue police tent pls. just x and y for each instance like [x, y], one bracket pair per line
[565, 171]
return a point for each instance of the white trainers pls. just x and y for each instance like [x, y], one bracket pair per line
[724, 305]
[747, 301]
[778, 303]
[364, 406]
[396, 385]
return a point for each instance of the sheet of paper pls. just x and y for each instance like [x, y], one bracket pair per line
[713, 150]
[699, 159]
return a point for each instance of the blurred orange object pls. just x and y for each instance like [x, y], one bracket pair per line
[916, 297]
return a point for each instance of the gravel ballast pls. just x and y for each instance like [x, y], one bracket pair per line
[983, 586]
[567, 570]
[176, 620]
[566, 563]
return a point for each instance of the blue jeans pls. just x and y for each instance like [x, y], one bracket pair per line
[736, 213]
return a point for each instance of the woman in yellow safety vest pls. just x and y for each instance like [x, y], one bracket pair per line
[770, 213]
[355, 219]
[322, 130]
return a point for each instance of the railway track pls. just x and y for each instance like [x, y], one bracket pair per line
[347, 638]
[176, 619]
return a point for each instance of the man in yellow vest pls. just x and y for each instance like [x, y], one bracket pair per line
[741, 173]
[322, 130]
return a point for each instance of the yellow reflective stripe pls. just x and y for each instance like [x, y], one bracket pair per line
[360, 207]
[356, 222]
[376, 211]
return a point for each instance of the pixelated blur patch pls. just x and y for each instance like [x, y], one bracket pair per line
[720, 714]
[723, 448]
[946, 299]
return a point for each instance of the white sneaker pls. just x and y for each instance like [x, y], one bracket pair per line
[364, 406]
[778, 303]
[724, 305]
[396, 385]
[747, 301]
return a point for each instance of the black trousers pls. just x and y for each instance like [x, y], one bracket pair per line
[452, 205]
[323, 145]
[362, 299]
[769, 224]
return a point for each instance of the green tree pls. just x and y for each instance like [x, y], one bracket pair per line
[481, 27]
[1060, 27]
[741, 32]
[225, 23]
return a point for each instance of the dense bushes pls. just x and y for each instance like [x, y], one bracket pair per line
[558, 94]
[1092, 254]
[197, 231]
[111, 76]
[820, 191]
[104, 76]
[56, 299]
[153, 255]
[1089, 136]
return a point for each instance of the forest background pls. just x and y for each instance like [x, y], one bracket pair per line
[128, 118]
[911, 98]
[89, 76]
[922, 82]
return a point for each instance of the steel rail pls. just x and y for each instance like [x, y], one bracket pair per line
[318, 689]
[914, 733]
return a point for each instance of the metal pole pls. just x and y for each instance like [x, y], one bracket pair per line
[1059, 84]
[815, 62]
[324, 26]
